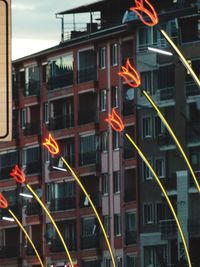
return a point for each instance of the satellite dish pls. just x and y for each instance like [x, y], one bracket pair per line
[39, 192]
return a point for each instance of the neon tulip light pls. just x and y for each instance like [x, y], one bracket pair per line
[119, 129]
[20, 177]
[4, 205]
[53, 148]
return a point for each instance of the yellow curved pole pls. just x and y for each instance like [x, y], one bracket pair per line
[173, 136]
[166, 197]
[182, 58]
[52, 220]
[94, 209]
[27, 235]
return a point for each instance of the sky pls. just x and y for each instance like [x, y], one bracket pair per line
[34, 25]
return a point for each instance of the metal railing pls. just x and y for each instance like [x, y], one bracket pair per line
[33, 208]
[61, 122]
[59, 81]
[66, 203]
[165, 94]
[87, 74]
[33, 167]
[30, 251]
[87, 116]
[32, 88]
[89, 158]
[55, 161]
[57, 246]
[95, 197]
[191, 89]
[91, 241]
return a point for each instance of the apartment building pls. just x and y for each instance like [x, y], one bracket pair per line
[69, 90]
[177, 95]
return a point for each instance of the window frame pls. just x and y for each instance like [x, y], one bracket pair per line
[105, 184]
[149, 217]
[103, 100]
[117, 225]
[116, 182]
[147, 133]
[114, 54]
[102, 57]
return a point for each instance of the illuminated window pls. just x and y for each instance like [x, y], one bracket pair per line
[103, 100]
[114, 49]
[117, 224]
[148, 213]
[102, 57]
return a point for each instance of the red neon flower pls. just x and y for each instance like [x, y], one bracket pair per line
[3, 202]
[115, 121]
[51, 145]
[18, 175]
[150, 12]
[128, 73]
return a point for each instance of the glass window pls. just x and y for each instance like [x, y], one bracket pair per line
[102, 57]
[23, 118]
[46, 113]
[106, 223]
[117, 224]
[88, 226]
[32, 79]
[105, 184]
[115, 140]
[148, 213]
[119, 262]
[159, 126]
[146, 127]
[88, 149]
[32, 154]
[103, 100]
[104, 141]
[130, 221]
[114, 49]
[147, 174]
[130, 261]
[114, 97]
[9, 159]
[116, 182]
[160, 167]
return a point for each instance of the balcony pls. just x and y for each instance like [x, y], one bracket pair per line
[87, 116]
[194, 226]
[90, 241]
[31, 128]
[165, 94]
[55, 162]
[9, 251]
[61, 122]
[89, 158]
[128, 108]
[59, 81]
[168, 229]
[129, 194]
[130, 237]
[91, 263]
[87, 74]
[12, 206]
[5, 172]
[66, 203]
[30, 251]
[33, 167]
[95, 197]
[191, 89]
[57, 246]
[33, 209]
[32, 88]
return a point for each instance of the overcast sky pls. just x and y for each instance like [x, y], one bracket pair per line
[34, 26]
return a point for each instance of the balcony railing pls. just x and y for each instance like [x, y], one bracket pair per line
[59, 81]
[87, 116]
[129, 194]
[33, 208]
[32, 88]
[95, 197]
[66, 203]
[9, 251]
[31, 128]
[33, 167]
[91, 263]
[89, 158]
[191, 89]
[55, 162]
[5, 172]
[87, 74]
[91, 241]
[30, 251]
[165, 94]
[131, 237]
[57, 246]
[14, 207]
[61, 122]
[168, 229]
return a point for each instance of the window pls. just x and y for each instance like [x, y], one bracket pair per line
[148, 213]
[130, 221]
[106, 224]
[160, 167]
[117, 224]
[46, 113]
[88, 226]
[105, 185]
[32, 154]
[88, 149]
[155, 256]
[8, 159]
[32, 80]
[114, 54]
[160, 212]
[103, 100]
[147, 174]
[23, 118]
[102, 57]
[116, 182]
[104, 141]
[115, 140]
[107, 262]
[144, 38]
[130, 261]
[159, 126]
[119, 262]
[146, 79]
[146, 127]
[114, 97]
